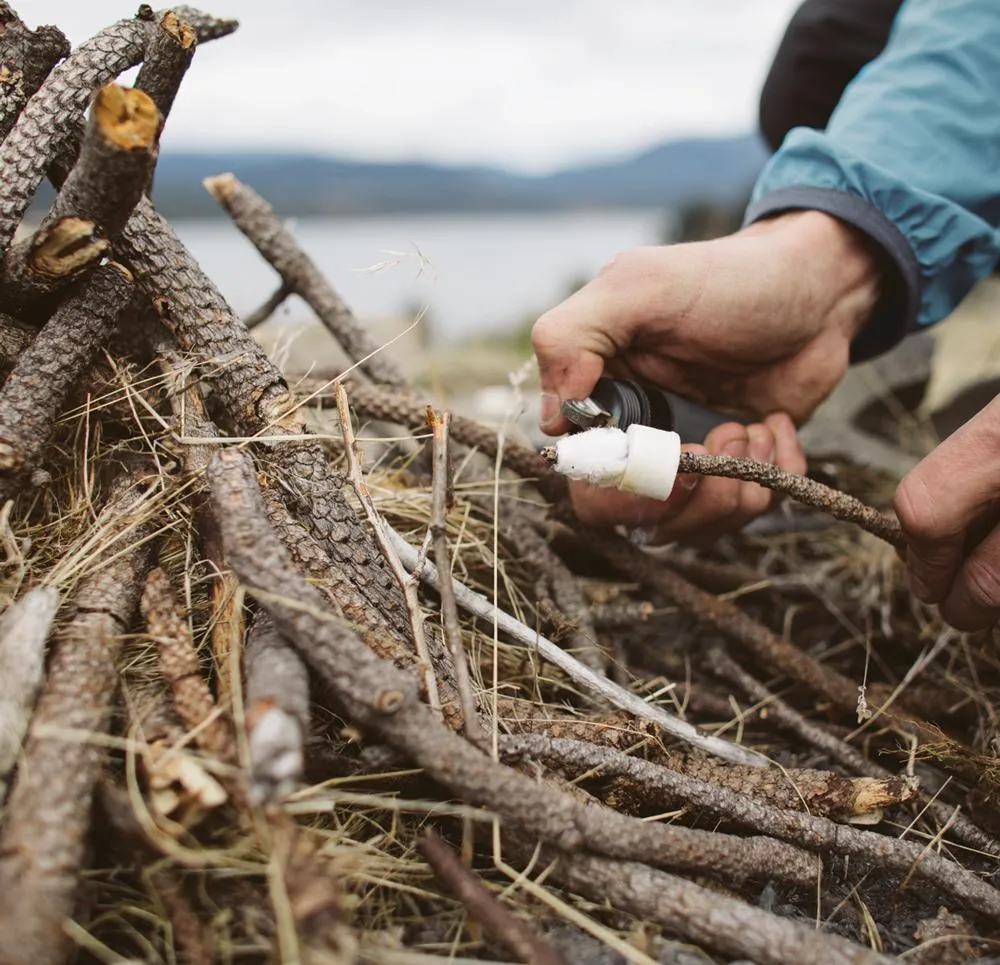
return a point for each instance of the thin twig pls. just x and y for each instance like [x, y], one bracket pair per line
[258, 221]
[506, 929]
[268, 307]
[379, 526]
[800, 488]
[440, 493]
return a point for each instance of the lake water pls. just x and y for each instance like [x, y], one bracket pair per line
[474, 273]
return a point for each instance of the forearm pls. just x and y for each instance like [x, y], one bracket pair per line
[911, 158]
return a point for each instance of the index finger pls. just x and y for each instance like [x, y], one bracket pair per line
[943, 496]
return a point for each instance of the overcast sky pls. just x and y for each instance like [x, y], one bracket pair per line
[533, 84]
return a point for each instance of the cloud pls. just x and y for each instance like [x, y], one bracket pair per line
[517, 82]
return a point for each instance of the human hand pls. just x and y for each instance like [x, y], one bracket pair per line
[949, 509]
[758, 323]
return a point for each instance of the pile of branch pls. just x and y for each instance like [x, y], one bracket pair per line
[267, 693]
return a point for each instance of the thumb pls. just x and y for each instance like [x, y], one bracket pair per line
[567, 367]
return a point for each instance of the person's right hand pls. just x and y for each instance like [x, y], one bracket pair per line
[757, 323]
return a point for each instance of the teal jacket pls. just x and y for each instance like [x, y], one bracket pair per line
[911, 157]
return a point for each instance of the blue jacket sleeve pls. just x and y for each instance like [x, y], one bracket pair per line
[911, 157]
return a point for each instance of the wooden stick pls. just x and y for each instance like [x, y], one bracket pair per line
[24, 631]
[170, 52]
[267, 308]
[257, 220]
[277, 713]
[27, 57]
[805, 830]
[46, 371]
[506, 929]
[704, 917]
[43, 840]
[95, 201]
[168, 627]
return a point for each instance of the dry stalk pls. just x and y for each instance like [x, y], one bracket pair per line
[24, 631]
[26, 57]
[299, 274]
[277, 711]
[115, 163]
[820, 835]
[378, 525]
[168, 627]
[504, 928]
[49, 122]
[385, 701]
[44, 835]
[268, 307]
[440, 496]
[618, 696]
[703, 917]
[46, 371]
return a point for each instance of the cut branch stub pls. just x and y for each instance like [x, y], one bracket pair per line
[170, 53]
[49, 122]
[98, 196]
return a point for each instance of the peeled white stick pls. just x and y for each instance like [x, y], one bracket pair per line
[24, 630]
[640, 460]
[277, 691]
[621, 698]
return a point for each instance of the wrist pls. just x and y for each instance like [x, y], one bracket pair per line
[843, 270]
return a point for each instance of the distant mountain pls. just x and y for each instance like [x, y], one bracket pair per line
[667, 176]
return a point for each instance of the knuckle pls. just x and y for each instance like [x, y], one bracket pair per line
[916, 509]
[982, 584]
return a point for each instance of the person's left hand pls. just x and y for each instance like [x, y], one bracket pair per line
[949, 510]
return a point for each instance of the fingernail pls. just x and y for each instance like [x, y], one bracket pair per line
[761, 444]
[550, 408]
[688, 480]
[738, 447]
